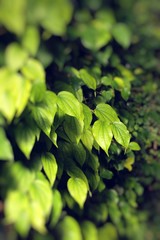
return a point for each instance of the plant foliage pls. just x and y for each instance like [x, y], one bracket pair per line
[78, 99]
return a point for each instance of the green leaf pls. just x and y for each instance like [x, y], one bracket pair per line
[103, 134]
[56, 207]
[122, 34]
[75, 172]
[69, 229]
[134, 146]
[18, 177]
[20, 213]
[58, 12]
[106, 113]
[78, 190]
[37, 92]
[107, 232]
[87, 116]
[87, 139]
[73, 128]
[44, 112]
[128, 163]
[33, 70]
[25, 136]
[121, 134]
[95, 35]
[40, 196]
[15, 56]
[23, 96]
[87, 79]
[79, 153]
[9, 95]
[12, 15]
[70, 105]
[31, 40]
[50, 166]
[89, 230]
[6, 152]
[105, 173]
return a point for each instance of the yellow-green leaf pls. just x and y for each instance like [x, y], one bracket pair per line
[31, 40]
[103, 134]
[15, 56]
[78, 190]
[87, 79]
[121, 134]
[122, 34]
[6, 152]
[50, 166]
[33, 70]
[68, 103]
[44, 112]
[106, 113]
[69, 229]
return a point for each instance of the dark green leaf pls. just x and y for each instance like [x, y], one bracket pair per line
[73, 129]
[25, 135]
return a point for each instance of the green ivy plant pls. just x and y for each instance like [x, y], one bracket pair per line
[66, 132]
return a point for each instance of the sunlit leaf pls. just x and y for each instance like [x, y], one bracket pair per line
[78, 190]
[121, 134]
[69, 228]
[75, 172]
[122, 34]
[33, 70]
[40, 196]
[68, 103]
[44, 112]
[56, 207]
[95, 35]
[87, 116]
[23, 96]
[108, 232]
[103, 134]
[50, 166]
[87, 79]
[6, 152]
[106, 113]
[20, 213]
[15, 56]
[134, 146]
[31, 40]
[128, 163]
[87, 139]
[12, 15]
[89, 230]
[9, 95]
[58, 12]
